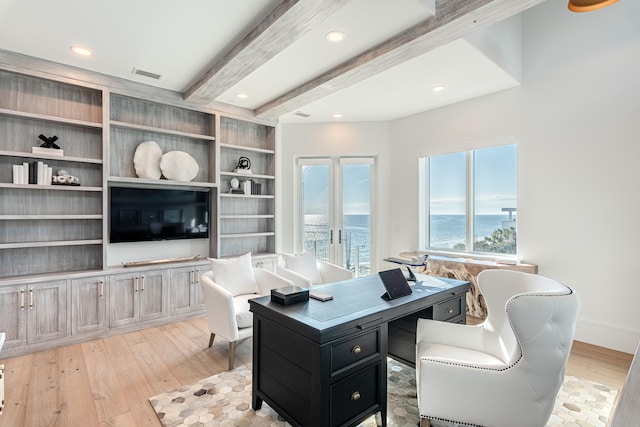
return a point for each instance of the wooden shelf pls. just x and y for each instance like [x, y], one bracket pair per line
[44, 156]
[49, 187]
[50, 244]
[247, 216]
[243, 148]
[144, 128]
[48, 118]
[160, 182]
[248, 196]
[48, 217]
[246, 175]
[245, 235]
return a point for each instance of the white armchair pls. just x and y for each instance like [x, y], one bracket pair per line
[506, 371]
[227, 291]
[305, 270]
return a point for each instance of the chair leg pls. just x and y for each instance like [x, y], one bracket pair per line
[211, 339]
[425, 422]
[232, 354]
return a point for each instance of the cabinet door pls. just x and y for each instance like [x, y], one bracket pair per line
[181, 290]
[13, 315]
[153, 294]
[88, 305]
[123, 299]
[47, 312]
[198, 296]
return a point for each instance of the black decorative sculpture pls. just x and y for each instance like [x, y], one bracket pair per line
[49, 142]
[243, 163]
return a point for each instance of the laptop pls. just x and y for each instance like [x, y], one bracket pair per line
[395, 284]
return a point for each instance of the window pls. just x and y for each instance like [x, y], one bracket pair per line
[469, 198]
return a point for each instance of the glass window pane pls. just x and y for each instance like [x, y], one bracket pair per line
[495, 199]
[447, 206]
[315, 210]
[356, 217]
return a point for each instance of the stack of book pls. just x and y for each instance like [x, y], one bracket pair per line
[38, 173]
[251, 187]
[58, 152]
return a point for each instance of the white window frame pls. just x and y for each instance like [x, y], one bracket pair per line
[424, 197]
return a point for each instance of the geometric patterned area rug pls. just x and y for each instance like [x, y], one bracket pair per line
[225, 400]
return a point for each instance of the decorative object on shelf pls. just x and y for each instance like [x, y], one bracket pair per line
[179, 166]
[48, 147]
[146, 160]
[243, 165]
[36, 172]
[246, 186]
[234, 183]
[64, 178]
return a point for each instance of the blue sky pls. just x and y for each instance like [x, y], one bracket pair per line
[495, 181]
[356, 182]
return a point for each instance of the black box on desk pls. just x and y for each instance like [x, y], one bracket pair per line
[289, 295]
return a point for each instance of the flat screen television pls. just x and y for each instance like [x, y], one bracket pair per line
[149, 214]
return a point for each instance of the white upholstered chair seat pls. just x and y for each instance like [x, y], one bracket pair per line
[506, 371]
[227, 291]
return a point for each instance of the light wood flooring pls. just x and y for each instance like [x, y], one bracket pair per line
[107, 382]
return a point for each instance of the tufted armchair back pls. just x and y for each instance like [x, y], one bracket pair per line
[508, 369]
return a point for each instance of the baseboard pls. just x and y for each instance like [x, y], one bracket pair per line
[607, 335]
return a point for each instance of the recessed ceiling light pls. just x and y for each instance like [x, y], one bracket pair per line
[335, 36]
[337, 116]
[439, 88]
[242, 95]
[82, 51]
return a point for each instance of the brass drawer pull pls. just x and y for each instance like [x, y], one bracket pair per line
[355, 396]
[356, 349]
[450, 310]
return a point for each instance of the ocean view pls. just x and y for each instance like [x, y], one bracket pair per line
[446, 231]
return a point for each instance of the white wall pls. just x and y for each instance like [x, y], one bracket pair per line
[577, 121]
[337, 139]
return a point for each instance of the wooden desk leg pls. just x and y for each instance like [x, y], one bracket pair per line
[256, 403]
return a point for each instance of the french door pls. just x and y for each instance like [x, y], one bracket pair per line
[335, 211]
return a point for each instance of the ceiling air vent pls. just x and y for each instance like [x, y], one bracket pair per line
[146, 74]
[301, 114]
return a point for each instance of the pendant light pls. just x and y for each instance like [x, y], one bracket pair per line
[589, 5]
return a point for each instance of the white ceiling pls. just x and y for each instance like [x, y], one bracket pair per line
[181, 40]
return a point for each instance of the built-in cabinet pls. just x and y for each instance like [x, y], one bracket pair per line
[33, 313]
[186, 294]
[55, 237]
[88, 305]
[138, 297]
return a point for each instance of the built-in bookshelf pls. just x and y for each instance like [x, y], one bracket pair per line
[247, 219]
[50, 228]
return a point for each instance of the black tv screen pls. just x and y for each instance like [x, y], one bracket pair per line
[145, 214]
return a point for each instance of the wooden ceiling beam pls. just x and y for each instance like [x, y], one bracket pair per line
[453, 19]
[285, 24]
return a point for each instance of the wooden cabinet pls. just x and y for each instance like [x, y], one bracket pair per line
[247, 221]
[13, 320]
[186, 295]
[138, 297]
[33, 313]
[50, 228]
[88, 305]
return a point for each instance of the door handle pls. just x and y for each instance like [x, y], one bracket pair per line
[339, 237]
[331, 238]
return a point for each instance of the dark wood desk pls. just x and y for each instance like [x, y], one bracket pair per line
[325, 363]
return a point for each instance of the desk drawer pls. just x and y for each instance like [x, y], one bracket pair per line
[355, 394]
[354, 350]
[448, 309]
